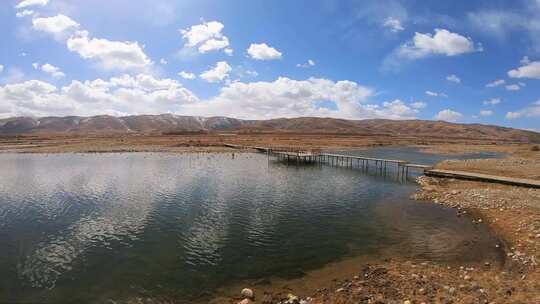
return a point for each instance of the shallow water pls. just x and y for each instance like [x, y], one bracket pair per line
[93, 227]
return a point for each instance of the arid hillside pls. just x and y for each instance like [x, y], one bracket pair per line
[170, 124]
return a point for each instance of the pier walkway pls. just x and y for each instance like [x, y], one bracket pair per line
[298, 156]
[523, 182]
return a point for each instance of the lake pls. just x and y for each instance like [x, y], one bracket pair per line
[97, 227]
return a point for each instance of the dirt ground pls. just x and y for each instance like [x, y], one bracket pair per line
[513, 213]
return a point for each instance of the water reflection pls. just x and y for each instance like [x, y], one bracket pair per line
[165, 224]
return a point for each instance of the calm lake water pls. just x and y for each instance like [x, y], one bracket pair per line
[90, 228]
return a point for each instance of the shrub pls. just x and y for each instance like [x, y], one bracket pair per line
[535, 148]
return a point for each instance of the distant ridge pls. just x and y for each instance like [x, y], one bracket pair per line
[169, 123]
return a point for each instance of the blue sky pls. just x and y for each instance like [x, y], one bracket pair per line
[462, 61]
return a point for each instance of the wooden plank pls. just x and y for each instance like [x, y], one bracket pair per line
[367, 158]
[418, 166]
[484, 178]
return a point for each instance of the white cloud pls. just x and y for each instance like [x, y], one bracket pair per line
[163, 61]
[141, 94]
[52, 70]
[435, 94]
[397, 109]
[228, 51]
[54, 25]
[531, 111]
[28, 3]
[453, 78]
[529, 70]
[496, 83]
[486, 113]
[262, 51]
[217, 74]
[492, 101]
[525, 60]
[418, 105]
[1, 68]
[522, 19]
[286, 97]
[513, 87]
[251, 73]
[309, 63]
[145, 94]
[110, 54]
[207, 37]
[186, 75]
[448, 115]
[25, 13]
[513, 115]
[393, 24]
[443, 42]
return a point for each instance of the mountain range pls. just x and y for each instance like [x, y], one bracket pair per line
[170, 124]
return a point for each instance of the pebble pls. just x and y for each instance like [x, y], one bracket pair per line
[406, 302]
[245, 301]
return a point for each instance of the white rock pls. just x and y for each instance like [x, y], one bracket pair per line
[247, 293]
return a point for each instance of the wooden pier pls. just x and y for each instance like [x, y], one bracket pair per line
[402, 167]
[522, 182]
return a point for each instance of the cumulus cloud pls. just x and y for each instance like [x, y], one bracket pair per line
[309, 63]
[263, 51]
[121, 55]
[443, 42]
[397, 109]
[448, 115]
[28, 3]
[218, 73]
[453, 78]
[110, 54]
[533, 110]
[146, 94]
[529, 70]
[141, 94]
[486, 112]
[492, 101]
[495, 83]
[50, 69]
[24, 13]
[513, 87]
[393, 24]
[286, 97]
[435, 94]
[206, 37]
[54, 25]
[418, 105]
[186, 75]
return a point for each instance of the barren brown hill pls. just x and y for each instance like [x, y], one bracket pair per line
[168, 123]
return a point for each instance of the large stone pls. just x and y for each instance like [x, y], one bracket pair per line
[247, 293]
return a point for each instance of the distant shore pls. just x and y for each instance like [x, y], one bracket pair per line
[215, 142]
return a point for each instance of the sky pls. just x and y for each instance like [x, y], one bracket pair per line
[458, 61]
